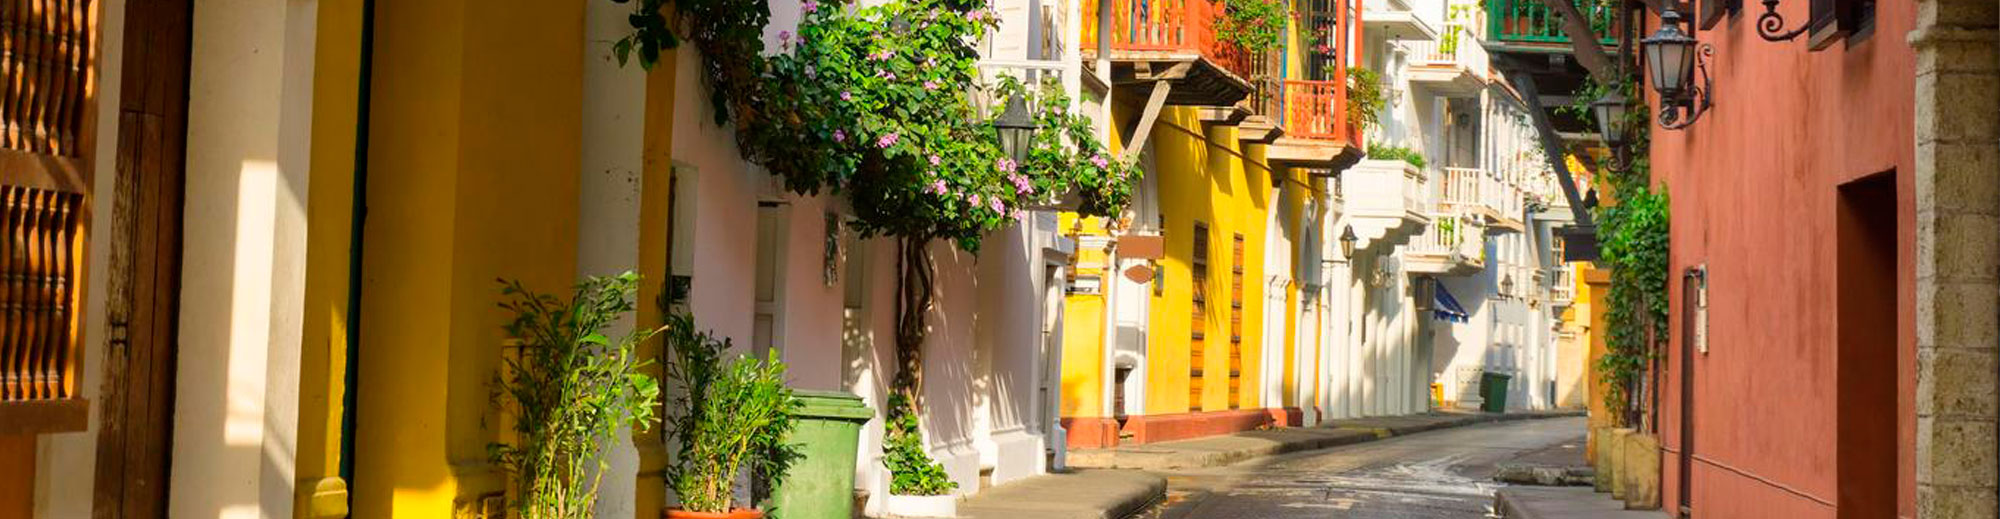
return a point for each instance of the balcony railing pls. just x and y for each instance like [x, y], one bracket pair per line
[1501, 196]
[1455, 46]
[1267, 84]
[1165, 26]
[1031, 73]
[1460, 189]
[1447, 235]
[1534, 21]
[1318, 110]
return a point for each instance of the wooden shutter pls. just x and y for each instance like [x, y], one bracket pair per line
[1834, 20]
[1198, 321]
[48, 51]
[1236, 321]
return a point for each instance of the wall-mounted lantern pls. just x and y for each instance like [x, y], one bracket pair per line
[1017, 129]
[1610, 111]
[1673, 57]
[1507, 285]
[1347, 240]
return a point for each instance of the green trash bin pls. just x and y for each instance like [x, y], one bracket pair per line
[821, 483]
[1493, 391]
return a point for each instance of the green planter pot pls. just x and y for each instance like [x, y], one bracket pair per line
[1493, 392]
[821, 483]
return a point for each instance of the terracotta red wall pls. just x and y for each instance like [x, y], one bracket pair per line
[1754, 189]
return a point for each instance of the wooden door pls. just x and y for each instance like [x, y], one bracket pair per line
[144, 283]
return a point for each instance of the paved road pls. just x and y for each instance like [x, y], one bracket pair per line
[1443, 474]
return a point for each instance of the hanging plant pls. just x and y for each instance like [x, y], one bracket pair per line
[1364, 96]
[877, 104]
[1255, 26]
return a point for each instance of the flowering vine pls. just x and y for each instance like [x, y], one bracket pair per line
[881, 104]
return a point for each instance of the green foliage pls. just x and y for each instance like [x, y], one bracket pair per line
[912, 472]
[1256, 26]
[728, 415]
[1364, 96]
[877, 103]
[1448, 42]
[1633, 228]
[1379, 151]
[569, 389]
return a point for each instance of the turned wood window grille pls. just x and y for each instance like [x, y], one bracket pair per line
[47, 54]
[45, 60]
[1198, 322]
[38, 293]
[1235, 320]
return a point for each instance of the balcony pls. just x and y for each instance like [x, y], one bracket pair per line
[1449, 246]
[1317, 132]
[1494, 202]
[1257, 118]
[1169, 40]
[1387, 203]
[1454, 65]
[1393, 20]
[1562, 287]
[1532, 23]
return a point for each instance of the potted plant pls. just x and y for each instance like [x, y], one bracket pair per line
[918, 486]
[568, 388]
[730, 415]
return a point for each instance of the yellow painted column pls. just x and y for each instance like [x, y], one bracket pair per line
[472, 176]
[329, 246]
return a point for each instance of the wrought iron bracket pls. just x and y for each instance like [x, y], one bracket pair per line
[1771, 25]
[1687, 108]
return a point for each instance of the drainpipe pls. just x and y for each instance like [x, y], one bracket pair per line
[358, 214]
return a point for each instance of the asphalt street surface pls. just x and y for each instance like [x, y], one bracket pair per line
[1441, 474]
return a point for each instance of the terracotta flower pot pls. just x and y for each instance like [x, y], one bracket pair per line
[740, 513]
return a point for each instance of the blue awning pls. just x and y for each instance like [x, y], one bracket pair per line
[1447, 308]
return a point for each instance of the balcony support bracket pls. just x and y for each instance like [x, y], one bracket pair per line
[1147, 118]
[1552, 143]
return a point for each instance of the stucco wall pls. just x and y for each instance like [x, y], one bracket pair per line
[1754, 185]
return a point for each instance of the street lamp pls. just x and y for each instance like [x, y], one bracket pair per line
[1347, 240]
[1610, 111]
[1507, 285]
[1017, 129]
[1672, 57]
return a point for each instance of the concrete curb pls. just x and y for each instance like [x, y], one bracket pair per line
[1222, 450]
[1079, 494]
[1563, 503]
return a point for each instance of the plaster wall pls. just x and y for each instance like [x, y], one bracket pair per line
[1754, 185]
[236, 394]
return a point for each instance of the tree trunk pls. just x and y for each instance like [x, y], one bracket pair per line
[914, 278]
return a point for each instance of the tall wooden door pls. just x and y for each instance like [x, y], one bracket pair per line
[1236, 321]
[144, 272]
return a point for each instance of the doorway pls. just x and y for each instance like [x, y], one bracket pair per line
[1867, 372]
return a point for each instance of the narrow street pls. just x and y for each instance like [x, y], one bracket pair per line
[1432, 475]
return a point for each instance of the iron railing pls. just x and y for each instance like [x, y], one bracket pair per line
[1534, 21]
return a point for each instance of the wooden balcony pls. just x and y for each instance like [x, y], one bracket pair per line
[1454, 65]
[1448, 246]
[1497, 203]
[1170, 40]
[1317, 132]
[1533, 23]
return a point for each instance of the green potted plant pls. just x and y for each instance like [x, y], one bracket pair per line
[568, 388]
[730, 414]
[918, 486]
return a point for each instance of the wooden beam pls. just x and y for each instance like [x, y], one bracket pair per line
[1146, 120]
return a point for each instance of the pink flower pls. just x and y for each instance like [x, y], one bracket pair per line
[886, 140]
[930, 85]
[1005, 165]
[935, 160]
[785, 36]
[1098, 160]
[847, 96]
[994, 204]
[1021, 183]
[809, 6]
[976, 15]
[888, 75]
[839, 136]
[936, 187]
[975, 200]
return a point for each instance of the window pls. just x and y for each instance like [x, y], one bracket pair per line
[766, 326]
[1834, 20]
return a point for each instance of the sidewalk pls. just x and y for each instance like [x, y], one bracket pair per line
[1078, 494]
[1564, 503]
[1221, 450]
